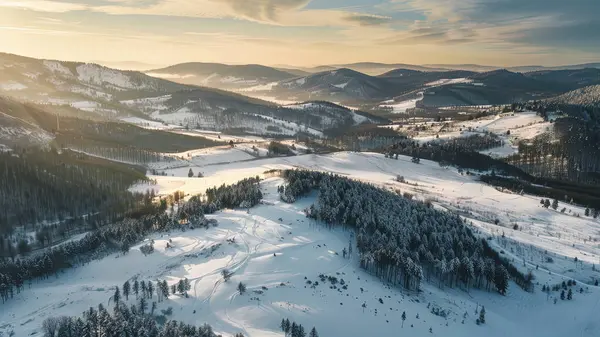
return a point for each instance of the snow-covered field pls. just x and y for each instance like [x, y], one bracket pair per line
[446, 81]
[511, 128]
[401, 107]
[304, 250]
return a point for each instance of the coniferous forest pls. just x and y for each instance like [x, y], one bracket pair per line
[404, 241]
[148, 218]
[131, 321]
[50, 186]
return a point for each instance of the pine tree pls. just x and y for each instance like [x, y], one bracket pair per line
[546, 203]
[143, 288]
[403, 318]
[153, 308]
[482, 315]
[241, 288]
[570, 294]
[117, 296]
[180, 287]
[190, 173]
[555, 204]
[165, 289]
[143, 305]
[136, 288]
[313, 332]
[301, 332]
[501, 279]
[562, 295]
[150, 289]
[288, 327]
[126, 288]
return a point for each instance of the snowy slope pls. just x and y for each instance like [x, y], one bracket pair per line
[17, 132]
[222, 76]
[304, 250]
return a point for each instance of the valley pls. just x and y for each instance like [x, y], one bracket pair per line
[250, 211]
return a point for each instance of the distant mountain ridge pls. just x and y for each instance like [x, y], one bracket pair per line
[222, 76]
[93, 91]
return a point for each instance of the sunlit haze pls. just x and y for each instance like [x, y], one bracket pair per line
[303, 32]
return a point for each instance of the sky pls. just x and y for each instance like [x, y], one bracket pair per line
[153, 33]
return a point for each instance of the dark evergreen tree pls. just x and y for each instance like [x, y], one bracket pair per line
[136, 288]
[482, 315]
[241, 288]
[117, 296]
[126, 288]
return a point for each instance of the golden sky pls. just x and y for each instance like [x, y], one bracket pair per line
[304, 32]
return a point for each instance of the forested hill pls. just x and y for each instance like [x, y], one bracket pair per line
[39, 185]
[27, 125]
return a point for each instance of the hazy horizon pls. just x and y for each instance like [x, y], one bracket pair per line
[304, 32]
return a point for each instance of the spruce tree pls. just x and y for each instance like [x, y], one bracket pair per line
[150, 289]
[143, 288]
[403, 318]
[241, 288]
[313, 332]
[482, 315]
[143, 305]
[301, 332]
[180, 287]
[117, 296]
[126, 288]
[570, 294]
[136, 288]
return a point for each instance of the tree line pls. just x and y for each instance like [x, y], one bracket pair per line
[400, 240]
[120, 236]
[39, 185]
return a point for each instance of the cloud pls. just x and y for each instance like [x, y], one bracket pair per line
[552, 23]
[368, 19]
[43, 5]
[263, 10]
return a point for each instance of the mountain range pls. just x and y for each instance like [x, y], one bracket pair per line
[94, 91]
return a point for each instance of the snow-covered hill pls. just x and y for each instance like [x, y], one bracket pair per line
[585, 96]
[221, 76]
[91, 90]
[275, 250]
[15, 132]
[87, 87]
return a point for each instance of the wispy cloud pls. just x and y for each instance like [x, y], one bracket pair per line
[368, 19]
[506, 29]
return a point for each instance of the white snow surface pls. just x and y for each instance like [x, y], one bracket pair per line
[94, 74]
[306, 249]
[341, 86]
[401, 107]
[57, 67]
[446, 81]
[12, 86]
